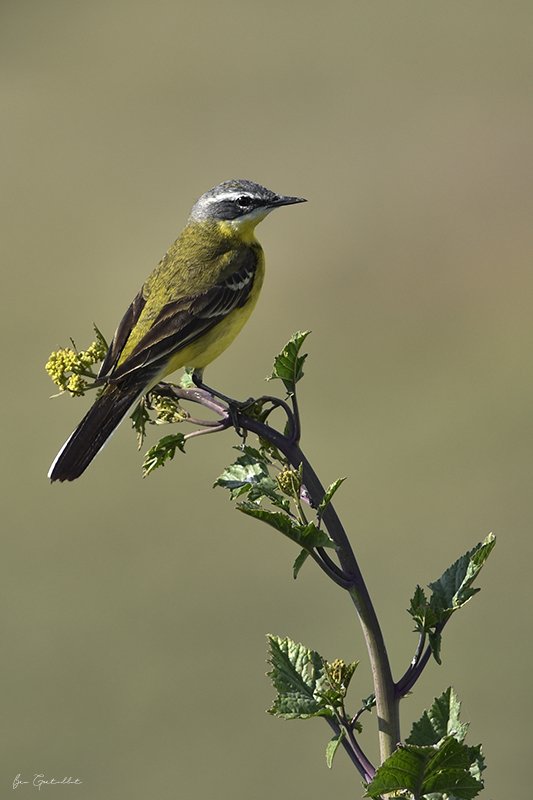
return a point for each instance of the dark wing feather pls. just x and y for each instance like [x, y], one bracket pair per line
[121, 335]
[183, 321]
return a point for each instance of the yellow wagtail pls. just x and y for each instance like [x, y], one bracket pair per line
[188, 312]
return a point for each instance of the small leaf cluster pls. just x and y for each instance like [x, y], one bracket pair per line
[452, 590]
[167, 409]
[309, 686]
[71, 369]
[162, 452]
[288, 365]
[250, 475]
[434, 762]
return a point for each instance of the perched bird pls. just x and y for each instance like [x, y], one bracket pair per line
[188, 312]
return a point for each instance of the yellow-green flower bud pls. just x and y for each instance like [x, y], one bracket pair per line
[76, 385]
[289, 482]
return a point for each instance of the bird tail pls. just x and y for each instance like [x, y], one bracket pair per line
[95, 429]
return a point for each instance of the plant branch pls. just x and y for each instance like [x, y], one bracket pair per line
[331, 569]
[417, 665]
[387, 699]
[351, 746]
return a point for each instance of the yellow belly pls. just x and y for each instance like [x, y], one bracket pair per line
[213, 343]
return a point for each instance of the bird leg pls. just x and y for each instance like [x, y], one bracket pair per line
[238, 405]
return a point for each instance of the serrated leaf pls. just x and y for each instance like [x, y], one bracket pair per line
[328, 495]
[268, 487]
[186, 381]
[307, 536]
[422, 612]
[288, 365]
[253, 452]
[250, 474]
[449, 593]
[298, 675]
[425, 770]
[333, 746]
[440, 721]
[449, 771]
[139, 418]
[163, 451]
[311, 536]
[368, 703]
[281, 522]
[435, 642]
[242, 475]
[299, 562]
[403, 770]
[247, 469]
[477, 762]
[333, 697]
[453, 589]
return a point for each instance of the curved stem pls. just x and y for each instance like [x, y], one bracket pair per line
[361, 762]
[297, 426]
[387, 695]
[412, 674]
[417, 665]
[331, 569]
[349, 728]
[387, 702]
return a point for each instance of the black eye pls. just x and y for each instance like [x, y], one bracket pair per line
[244, 201]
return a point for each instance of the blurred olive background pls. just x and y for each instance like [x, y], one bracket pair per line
[134, 612]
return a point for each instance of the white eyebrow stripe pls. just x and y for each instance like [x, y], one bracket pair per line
[227, 196]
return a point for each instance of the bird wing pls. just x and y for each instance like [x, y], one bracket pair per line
[120, 338]
[179, 322]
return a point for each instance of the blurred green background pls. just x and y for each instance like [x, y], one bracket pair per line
[134, 612]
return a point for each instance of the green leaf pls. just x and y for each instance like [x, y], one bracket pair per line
[163, 451]
[440, 721]
[422, 612]
[253, 452]
[477, 763]
[426, 620]
[166, 405]
[298, 675]
[288, 365]
[333, 746]
[186, 381]
[328, 495]
[281, 522]
[453, 589]
[250, 474]
[246, 470]
[139, 418]
[307, 536]
[435, 642]
[268, 487]
[298, 564]
[310, 536]
[368, 703]
[425, 770]
[449, 593]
